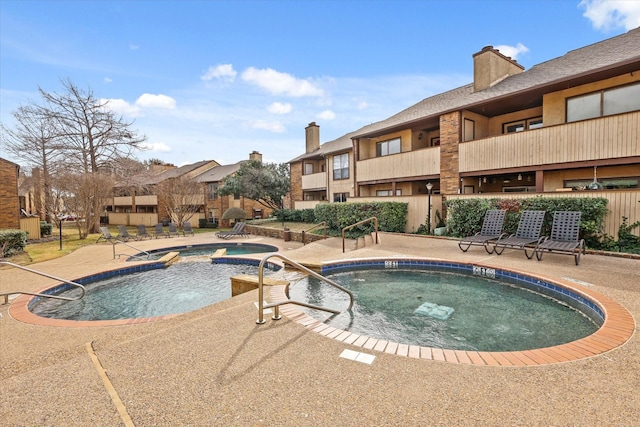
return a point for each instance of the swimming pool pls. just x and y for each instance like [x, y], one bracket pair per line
[147, 292]
[451, 306]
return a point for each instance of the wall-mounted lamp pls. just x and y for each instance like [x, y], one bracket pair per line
[420, 135]
[519, 177]
[484, 179]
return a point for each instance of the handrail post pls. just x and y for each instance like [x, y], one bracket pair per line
[373, 218]
[40, 273]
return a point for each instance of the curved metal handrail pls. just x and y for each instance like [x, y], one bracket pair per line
[276, 305]
[131, 246]
[313, 228]
[373, 218]
[7, 294]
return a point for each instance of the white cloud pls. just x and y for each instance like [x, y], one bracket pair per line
[123, 107]
[327, 115]
[362, 105]
[133, 46]
[278, 83]
[512, 51]
[279, 108]
[107, 80]
[147, 100]
[275, 127]
[612, 14]
[223, 72]
[157, 147]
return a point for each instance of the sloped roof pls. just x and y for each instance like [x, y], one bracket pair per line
[617, 51]
[219, 173]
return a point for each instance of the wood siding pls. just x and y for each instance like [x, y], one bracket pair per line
[314, 181]
[604, 138]
[403, 165]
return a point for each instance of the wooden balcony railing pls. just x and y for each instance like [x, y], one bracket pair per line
[413, 163]
[604, 138]
[314, 181]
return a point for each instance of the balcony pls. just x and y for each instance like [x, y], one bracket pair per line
[314, 181]
[409, 164]
[151, 200]
[598, 139]
[122, 201]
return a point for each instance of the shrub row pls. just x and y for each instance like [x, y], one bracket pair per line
[12, 241]
[464, 216]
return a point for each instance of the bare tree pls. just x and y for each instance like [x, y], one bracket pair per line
[34, 141]
[181, 197]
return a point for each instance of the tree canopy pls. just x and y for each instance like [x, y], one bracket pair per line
[267, 183]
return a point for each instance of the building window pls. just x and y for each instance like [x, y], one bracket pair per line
[236, 196]
[341, 166]
[388, 193]
[308, 168]
[212, 191]
[604, 103]
[386, 148]
[522, 125]
[309, 197]
[340, 197]
[607, 183]
[469, 130]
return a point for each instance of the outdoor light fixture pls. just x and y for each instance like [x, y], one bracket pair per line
[420, 135]
[519, 177]
[429, 188]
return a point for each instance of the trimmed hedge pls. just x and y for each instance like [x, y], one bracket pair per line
[46, 229]
[464, 216]
[12, 241]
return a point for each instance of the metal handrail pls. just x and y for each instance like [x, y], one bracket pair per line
[373, 218]
[313, 228]
[131, 246]
[7, 294]
[276, 305]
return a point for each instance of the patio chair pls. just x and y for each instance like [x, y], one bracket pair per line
[173, 230]
[106, 235]
[491, 230]
[123, 234]
[564, 238]
[186, 229]
[237, 230]
[159, 231]
[142, 232]
[526, 237]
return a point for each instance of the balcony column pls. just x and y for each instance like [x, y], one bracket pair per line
[539, 181]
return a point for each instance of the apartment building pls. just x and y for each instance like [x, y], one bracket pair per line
[570, 124]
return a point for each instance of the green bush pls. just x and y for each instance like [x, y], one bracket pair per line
[12, 241]
[392, 217]
[46, 229]
[464, 216]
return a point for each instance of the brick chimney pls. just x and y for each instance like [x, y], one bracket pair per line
[490, 67]
[312, 136]
[254, 155]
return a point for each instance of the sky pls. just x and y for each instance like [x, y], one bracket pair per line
[216, 80]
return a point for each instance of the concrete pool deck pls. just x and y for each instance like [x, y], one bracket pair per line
[216, 366]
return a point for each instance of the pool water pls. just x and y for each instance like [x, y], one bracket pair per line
[179, 288]
[473, 313]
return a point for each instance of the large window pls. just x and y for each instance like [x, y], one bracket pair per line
[308, 168]
[522, 125]
[340, 197]
[387, 193]
[212, 191]
[604, 103]
[606, 183]
[341, 166]
[386, 148]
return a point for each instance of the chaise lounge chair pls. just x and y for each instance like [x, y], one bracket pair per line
[173, 230]
[564, 237]
[237, 230]
[186, 229]
[142, 232]
[159, 231]
[526, 237]
[106, 235]
[491, 230]
[123, 234]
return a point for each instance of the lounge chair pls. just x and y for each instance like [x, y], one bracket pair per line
[564, 237]
[526, 237]
[491, 230]
[106, 235]
[142, 232]
[159, 231]
[173, 230]
[123, 234]
[186, 229]
[237, 230]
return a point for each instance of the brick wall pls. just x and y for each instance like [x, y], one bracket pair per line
[9, 200]
[296, 181]
[449, 142]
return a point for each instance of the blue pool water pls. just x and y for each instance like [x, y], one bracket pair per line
[444, 310]
[179, 288]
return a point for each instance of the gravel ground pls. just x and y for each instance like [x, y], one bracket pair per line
[216, 366]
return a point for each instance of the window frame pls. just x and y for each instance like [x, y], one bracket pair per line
[601, 94]
[383, 147]
[342, 172]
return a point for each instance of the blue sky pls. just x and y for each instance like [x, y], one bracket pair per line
[220, 79]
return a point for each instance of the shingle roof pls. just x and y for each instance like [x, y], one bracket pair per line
[219, 173]
[622, 49]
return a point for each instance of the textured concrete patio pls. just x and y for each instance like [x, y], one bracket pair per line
[216, 366]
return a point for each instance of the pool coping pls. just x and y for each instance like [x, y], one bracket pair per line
[618, 327]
